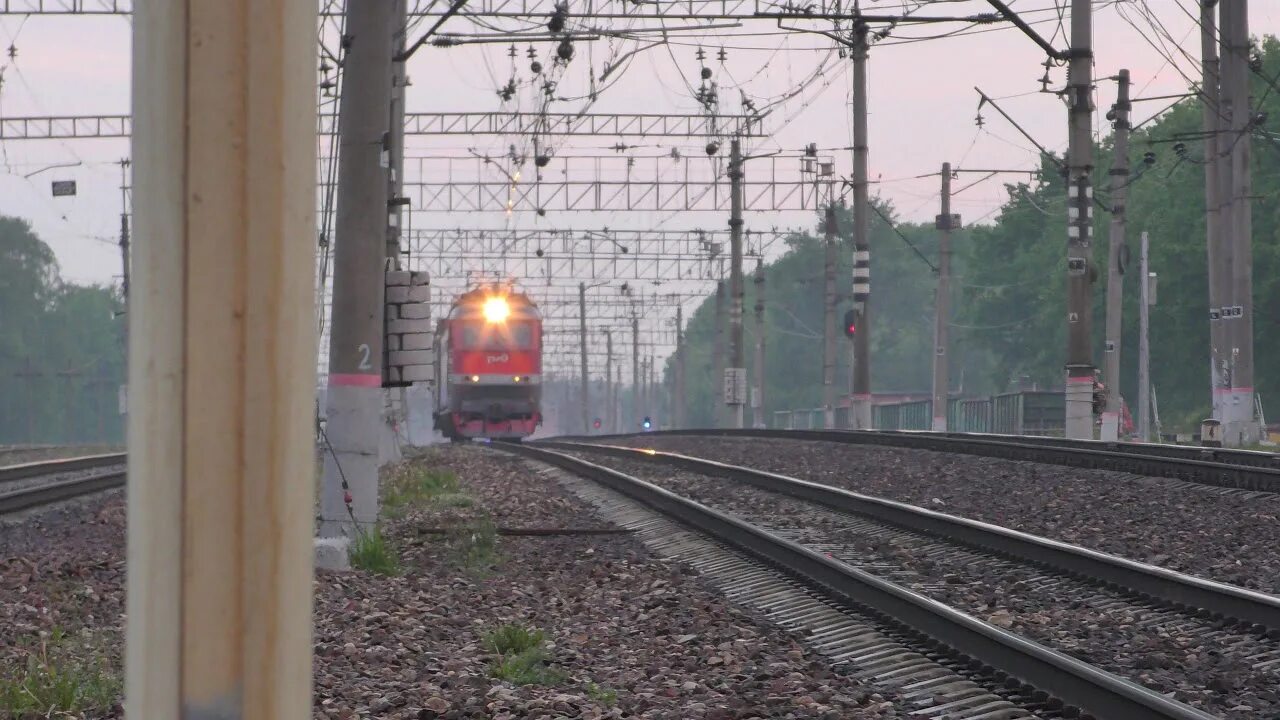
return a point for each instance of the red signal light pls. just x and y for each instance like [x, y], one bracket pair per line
[596, 423]
[850, 324]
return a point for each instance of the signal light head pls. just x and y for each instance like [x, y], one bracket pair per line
[596, 423]
[850, 324]
[646, 423]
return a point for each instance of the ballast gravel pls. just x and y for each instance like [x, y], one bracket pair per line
[1203, 531]
[628, 635]
[1216, 669]
[632, 635]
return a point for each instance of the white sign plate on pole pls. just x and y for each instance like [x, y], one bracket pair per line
[735, 386]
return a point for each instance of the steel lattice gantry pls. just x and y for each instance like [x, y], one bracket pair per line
[608, 183]
[597, 9]
[556, 256]
[80, 127]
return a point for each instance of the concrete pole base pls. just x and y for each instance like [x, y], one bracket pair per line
[1239, 425]
[861, 414]
[1079, 397]
[1110, 427]
[940, 424]
[332, 553]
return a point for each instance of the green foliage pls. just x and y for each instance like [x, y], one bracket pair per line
[511, 638]
[53, 681]
[370, 551]
[1008, 330]
[603, 695]
[61, 349]
[522, 656]
[901, 312]
[412, 484]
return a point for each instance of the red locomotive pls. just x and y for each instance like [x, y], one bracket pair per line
[489, 366]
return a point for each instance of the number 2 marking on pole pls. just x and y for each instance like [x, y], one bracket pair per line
[364, 358]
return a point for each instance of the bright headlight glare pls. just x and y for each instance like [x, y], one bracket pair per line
[496, 309]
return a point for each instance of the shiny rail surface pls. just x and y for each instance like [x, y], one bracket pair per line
[45, 493]
[10, 473]
[1074, 682]
[1243, 469]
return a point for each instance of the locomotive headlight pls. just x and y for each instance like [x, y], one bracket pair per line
[496, 309]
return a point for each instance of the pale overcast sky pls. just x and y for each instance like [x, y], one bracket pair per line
[921, 97]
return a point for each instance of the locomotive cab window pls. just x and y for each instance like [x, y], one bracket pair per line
[507, 336]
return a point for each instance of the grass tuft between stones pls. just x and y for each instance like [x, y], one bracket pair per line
[53, 683]
[604, 695]
[372, 552]
[522, 656]
[412, 484]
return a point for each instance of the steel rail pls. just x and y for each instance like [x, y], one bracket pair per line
[1230, 456]
[11, 473]
[1072, 453]
[24, 499]
[1011, 657]
[1183, 591]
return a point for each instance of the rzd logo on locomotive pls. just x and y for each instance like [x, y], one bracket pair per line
[491, 359]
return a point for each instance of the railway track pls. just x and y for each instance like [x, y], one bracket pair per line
[1239, 469]
[912, 640]
[88, 474]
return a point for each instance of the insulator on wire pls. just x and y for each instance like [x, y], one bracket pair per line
[564, 50]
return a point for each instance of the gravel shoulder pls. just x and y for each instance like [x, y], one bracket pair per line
[627, 635]
[1205, 532]
[631, 635]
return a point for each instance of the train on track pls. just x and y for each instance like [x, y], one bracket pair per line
[489, 366]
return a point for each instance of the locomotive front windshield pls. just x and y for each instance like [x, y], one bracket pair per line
[513, 335]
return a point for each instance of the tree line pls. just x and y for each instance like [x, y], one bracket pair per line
[1008, 327]
[61, 349]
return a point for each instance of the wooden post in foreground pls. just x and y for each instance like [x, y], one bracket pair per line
[222, 360]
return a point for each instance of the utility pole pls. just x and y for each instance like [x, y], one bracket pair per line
[717, 361]
[635, 370]
[652, 402]
[1079, 367]
[124, 239]
[861, 370]
[606, 415]
[1216, 240]
[395, 136]
[355, 398]
[1115, 278]
[758, 399]
[582, 349]
[1144, 346]
[222, 389]
[678, 402]
[829, 318]
[736, 375]
[1241, 426]
[396, 400]
[942, 308]
[124, 276]
[615, 411]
